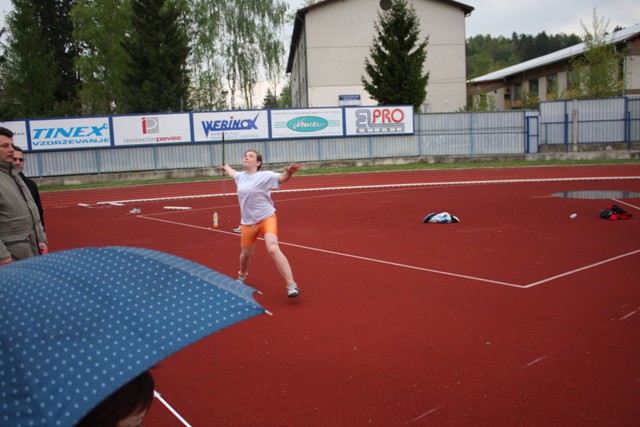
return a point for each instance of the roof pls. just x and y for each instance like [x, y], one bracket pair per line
[557, 56]
[300, 16]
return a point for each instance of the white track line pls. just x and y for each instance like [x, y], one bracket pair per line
[173, 411]
[395, 264]
[577, 270]
[479, 279]
[626, 204]
[417, 184]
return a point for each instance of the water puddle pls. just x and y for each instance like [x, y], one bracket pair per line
[597, 194]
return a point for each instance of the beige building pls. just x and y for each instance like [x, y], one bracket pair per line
[332, 38]
[548, 77]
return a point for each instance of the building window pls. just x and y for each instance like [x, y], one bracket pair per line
[573, 80]
[534, 87]
[517, 91]
[552, 84]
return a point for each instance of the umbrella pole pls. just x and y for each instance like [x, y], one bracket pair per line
[173, 411]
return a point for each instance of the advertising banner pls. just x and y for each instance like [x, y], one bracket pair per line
[382, 120]
[56, 134]
[309, 123]
[151, 129]
[236, 125]
[19, 129]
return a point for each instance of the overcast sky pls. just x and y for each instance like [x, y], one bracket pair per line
[503, 17]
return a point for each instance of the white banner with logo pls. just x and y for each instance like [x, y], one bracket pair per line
[19, 129]
[151, 129]
[56, 134]
[308, 123]
[236, 125]
[380, 120]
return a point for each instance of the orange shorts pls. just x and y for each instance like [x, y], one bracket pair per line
[249, 233]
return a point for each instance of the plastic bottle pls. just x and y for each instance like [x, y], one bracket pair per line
[215, 220]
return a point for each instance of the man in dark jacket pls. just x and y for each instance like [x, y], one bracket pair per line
[18, 160]
[21, 232]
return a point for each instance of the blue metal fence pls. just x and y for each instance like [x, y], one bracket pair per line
[579, 122]
[590, 121]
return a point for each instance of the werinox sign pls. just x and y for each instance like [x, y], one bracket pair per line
[236, 125]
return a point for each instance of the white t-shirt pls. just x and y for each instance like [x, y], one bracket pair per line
[254, 194]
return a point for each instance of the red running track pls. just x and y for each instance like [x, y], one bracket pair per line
[518, 315]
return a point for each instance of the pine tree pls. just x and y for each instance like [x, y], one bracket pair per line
[396, 67]
[29, 75]
[270, 100]
[38, 76]
[157, 79]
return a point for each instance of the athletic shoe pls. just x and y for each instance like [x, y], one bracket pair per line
[241, 278]
[292, 290]
[238, 229]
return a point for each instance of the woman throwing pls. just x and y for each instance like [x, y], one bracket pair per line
[258, 214]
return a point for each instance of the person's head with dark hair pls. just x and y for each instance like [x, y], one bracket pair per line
[6, 132]
[256, 155]
[126, 407]
[18, 157]
[6, 145]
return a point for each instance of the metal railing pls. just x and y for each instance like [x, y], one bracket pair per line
[577, 122]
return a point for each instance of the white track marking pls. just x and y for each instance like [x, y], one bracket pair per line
[539, 359]
[354, 187]
[390, 186]
[395, 264]
[626, 316]
[626, 204]
[412, 267]
[577, 270]
[173, 411]
[430, 411]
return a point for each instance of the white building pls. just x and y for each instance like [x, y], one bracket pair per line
[548, 77]
[332, 38]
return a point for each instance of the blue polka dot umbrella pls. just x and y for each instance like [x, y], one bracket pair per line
[77, 325]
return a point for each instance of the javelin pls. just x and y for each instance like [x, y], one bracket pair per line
[223, 162]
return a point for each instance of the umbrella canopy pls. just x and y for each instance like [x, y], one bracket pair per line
[77, 325]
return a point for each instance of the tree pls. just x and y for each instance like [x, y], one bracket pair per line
[270, 100]
[237, 40]
[396, 70]
[284, 101]
[157, 77]
[29, 74]
[248, 40]
[207, 86]
[38, 77]
[55, 20]
[100, 28]
[2, 46]
[597, 73]
[486, 53]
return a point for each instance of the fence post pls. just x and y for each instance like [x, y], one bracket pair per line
[574, 130]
